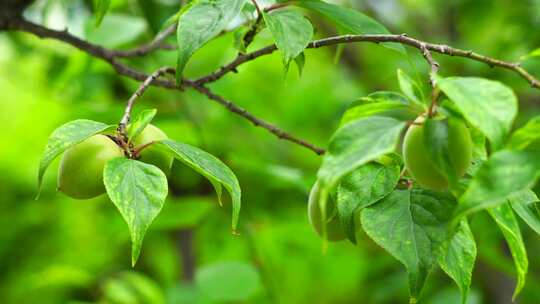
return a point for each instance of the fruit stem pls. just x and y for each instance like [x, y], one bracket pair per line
[138, 149]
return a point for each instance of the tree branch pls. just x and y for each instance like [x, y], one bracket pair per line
[403, 39]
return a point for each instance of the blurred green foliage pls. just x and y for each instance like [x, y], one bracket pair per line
[58, 250]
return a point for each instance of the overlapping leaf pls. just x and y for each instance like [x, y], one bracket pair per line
[138, 125]
[65, 137]
[210, 167]
[138, 190]
[524, 204]
[411, 225]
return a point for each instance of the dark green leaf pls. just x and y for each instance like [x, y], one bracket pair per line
[212, 168]
[488, 105]
[200, 22]
[502, 175]
[65, 137]
[507, 222]
[362, 188]
[138, 125]
[525, 136]
[436, 140]
[458, 257]
[524, 204]
[349, 20]
[291, 31]
[138, 190]
[101, 7]
[411, 225]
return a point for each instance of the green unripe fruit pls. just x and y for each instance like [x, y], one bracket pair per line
[333, 227]
[80, 174]
[418, 162]
[152, 154]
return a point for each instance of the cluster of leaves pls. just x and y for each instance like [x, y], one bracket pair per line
[423, 228]
[139, 189]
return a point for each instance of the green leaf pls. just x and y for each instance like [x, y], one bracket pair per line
[524, 204]
[535, 53]
[504, 174]
[227, 282]
[362, 188]
[410, 88]
[137, 126]
[101, 7]
[488, 105]
[350, 20]
[458, 257]
[392, 109]
[212, 168]
[291, 31]
[300, 62]
[138, 190]
[507, 222]
[201, 22]
[357, 143]
[66, 136]
[411, 225]
[436, 139]
[523, 137]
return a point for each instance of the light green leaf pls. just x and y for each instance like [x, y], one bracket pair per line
[525, 136]
[138, 190]
[535, 53]
[362, 188]
[524, 204]
[227, 282]
[101, 7]
[392, 109]
[300, 62]
[349, 20]
[410, 88]
[66, 136]
[291, 31]
[507, 222]
[411, 225]
[137, 126]
[457, 258]
[488, 105]
[201, 22]
[502, 175]
[357, 143]
[212, 168]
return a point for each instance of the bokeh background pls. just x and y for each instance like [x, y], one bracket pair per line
[59, 250]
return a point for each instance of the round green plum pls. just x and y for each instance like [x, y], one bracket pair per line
[80, 174]
[152, 154]
[333, 226]
[417, 160]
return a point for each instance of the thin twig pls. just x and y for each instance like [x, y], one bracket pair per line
[138, 93]
[432, 78]
[157, 43]
[257, 121]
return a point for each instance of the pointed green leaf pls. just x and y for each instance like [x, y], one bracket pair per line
[392, 109]
[535, 53]
[457, 258]
[507, 222]
[101, 7]
[202, 21]
[66, 136]
[300, 61]
[291, 31]
[525, 136]
[505, 173]
[137, 126]
[349, 20]
[410, 88]
[488, 105]
[524, 204]
[362, 188]
[210, 167]
[138, 190]
[411, 225]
